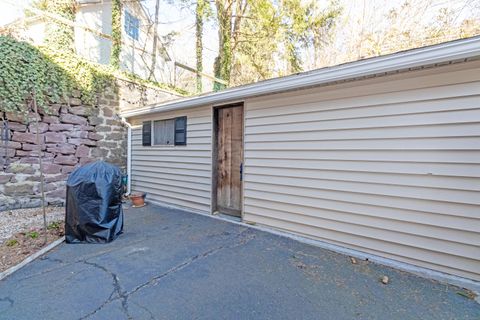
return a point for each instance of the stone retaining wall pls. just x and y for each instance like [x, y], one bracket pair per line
[71, 134]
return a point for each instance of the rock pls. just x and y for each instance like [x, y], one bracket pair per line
[112, 122]
[26, 137]
[95, 120]
[78, 141]
[63, 148]
[116, 136]
[16, 189]
[9, 145]
[58, 193]
[99, 152]
[76, 93]
[22, 153]
[51, 119]
[107, 112]
[73, 119]
[94, 136]
[42, 127]
[82, 151]
[80, 110]
[353, 260]
[68, 169]
[34, 160]
[51, 110]
[4, 177]
[55, 137]
[16, 117]
[50, 168]
[103, 129]
[107, 144]
[384, 280]
[61, 127]
[20, 168]
[32, 147]
[86, 160]
[84, 128]
[77, 134]
[75, 101]
[49, 187]
[67, 160]
[9, 153]
[56, 178]
[15, 126]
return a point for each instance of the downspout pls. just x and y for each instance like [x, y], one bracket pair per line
[129, 155]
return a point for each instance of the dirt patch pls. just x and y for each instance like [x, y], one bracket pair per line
[14, 221]
[22, 234]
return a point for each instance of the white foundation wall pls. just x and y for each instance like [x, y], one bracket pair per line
[388, 166]
[176, 175]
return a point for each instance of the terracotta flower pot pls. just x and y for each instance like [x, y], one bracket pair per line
[138, 199]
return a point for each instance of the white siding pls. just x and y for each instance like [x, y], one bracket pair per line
[389, 166]
[178, 175]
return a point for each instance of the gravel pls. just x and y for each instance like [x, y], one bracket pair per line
[13, 221]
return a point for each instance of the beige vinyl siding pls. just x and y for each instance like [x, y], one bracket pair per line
[176, 175]
[389, 166]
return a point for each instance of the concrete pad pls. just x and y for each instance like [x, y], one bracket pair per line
[173, 264]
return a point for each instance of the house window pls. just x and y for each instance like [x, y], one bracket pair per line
[132, 25]
[164, 132]
[167, 132]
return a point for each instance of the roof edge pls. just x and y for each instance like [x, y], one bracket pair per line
[444, 52]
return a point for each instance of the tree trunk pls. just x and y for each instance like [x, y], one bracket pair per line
[199, 15]
[155, 37]
[223, 61]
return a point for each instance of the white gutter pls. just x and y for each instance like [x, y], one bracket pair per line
[441, 53]
[129, 155]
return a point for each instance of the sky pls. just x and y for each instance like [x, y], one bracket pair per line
[173, 18]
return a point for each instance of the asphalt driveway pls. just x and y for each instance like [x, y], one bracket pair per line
[172, 264]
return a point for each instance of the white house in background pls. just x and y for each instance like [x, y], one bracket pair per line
[137, 37]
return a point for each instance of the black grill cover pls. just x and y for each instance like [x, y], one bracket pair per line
[94, 211]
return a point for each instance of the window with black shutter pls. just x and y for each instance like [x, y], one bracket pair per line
[147, 133]
[166, 132]
[181, 131]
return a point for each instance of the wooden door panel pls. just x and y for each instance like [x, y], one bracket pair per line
[229, 157]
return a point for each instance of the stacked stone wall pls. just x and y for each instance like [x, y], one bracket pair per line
[71, 134]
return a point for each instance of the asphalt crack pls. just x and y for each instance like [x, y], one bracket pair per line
[7, 299]
[150, 313]
[117, 289]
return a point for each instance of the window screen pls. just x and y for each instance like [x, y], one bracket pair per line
[164, 132]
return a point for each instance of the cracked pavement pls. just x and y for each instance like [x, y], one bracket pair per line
[172, 264]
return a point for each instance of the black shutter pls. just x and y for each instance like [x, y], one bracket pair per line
[181, 131]
[147, 133]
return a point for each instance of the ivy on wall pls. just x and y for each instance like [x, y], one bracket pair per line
[51, 74]
[58, 35]
[116, 34]
[54, 70]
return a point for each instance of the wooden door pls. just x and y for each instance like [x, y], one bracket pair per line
[229, 160]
